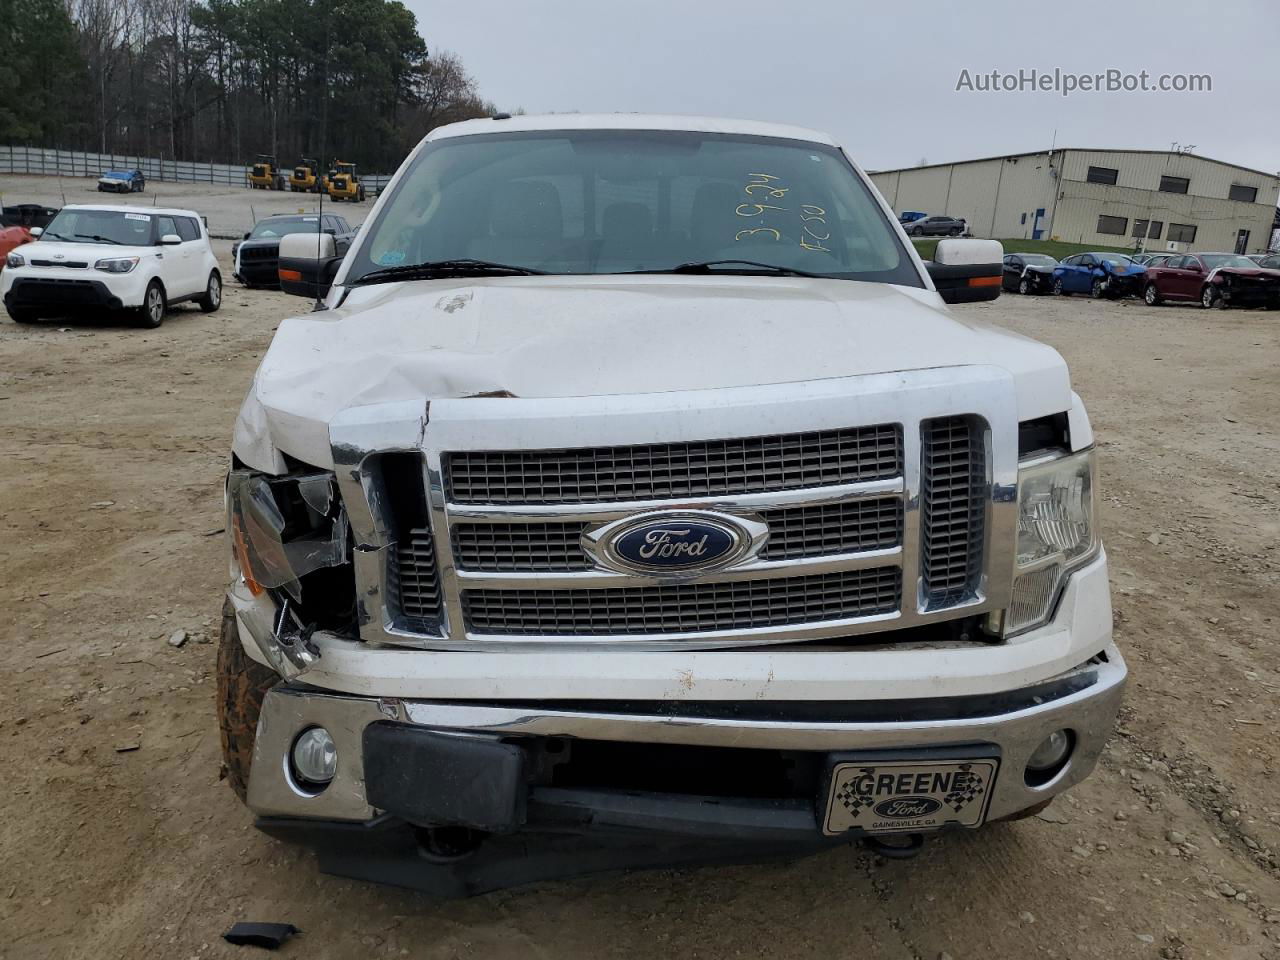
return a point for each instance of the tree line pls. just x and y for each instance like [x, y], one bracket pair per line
[223, 80]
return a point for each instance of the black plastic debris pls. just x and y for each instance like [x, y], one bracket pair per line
[266, 935]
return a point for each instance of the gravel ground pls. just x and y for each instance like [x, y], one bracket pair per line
[118, 840]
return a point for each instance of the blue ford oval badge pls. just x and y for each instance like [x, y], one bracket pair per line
[678, 543]
[674, 542]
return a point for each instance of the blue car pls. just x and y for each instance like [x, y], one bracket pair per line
[122, 181]
[1111, 275]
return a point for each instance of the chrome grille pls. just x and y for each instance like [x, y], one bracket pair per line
[953, 489]
[494, 547]
[816, 531]
[415, 585]
[705, 468]
[833, 528]
[683, 608]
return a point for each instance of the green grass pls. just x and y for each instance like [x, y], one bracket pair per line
[1053, 248]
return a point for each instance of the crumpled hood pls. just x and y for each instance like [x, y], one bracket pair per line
[608, 335]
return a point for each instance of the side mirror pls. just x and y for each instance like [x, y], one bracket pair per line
[170, 239]
[330, 231]
[246, 235]
[308, 263]
[36, 231]
[967, 271]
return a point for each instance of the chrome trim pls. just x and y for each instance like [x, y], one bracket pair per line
[622, 509]
[753, 569]
[491, 423]
[1090, 713]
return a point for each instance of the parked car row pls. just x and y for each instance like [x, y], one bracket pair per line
[1212, 279]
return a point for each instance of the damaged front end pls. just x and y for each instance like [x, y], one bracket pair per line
[292, 570]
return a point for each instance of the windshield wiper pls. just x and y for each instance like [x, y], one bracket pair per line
[751, 266]
[433, 269]
[96, 238]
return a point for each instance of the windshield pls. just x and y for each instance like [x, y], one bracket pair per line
[1215, 260]
[599, 202]
[1039, 260]
[280, 228]
[100, 226]
[1115, 258]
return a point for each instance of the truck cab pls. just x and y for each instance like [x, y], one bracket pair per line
[637, 498]
[264, 174]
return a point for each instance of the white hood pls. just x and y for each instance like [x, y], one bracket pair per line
[86, 252]
[595, 336]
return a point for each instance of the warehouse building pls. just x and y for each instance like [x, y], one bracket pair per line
[1152, 199]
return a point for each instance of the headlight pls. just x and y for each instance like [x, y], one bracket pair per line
[1057, 534]
[283, 528]
[15, 260]
[116, 264]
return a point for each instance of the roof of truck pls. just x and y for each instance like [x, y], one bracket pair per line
[628, 121]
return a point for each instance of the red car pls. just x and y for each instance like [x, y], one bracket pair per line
[16, 223]
[1214, 279]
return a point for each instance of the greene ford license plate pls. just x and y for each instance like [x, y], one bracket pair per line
[908, 797]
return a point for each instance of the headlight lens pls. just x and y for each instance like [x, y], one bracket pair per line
[1057, 533]
[15, 259]
[116, 264]
[283, 528]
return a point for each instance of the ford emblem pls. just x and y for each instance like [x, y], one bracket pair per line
[907, 808]
[674, 542]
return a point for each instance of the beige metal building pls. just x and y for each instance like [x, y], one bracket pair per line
[1115, 198]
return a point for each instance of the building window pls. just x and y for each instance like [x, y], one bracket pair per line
[1102, 175]
[1182, 232]
[1151, 229]
[1242, 193]
[1174, 184]
[1116, 225]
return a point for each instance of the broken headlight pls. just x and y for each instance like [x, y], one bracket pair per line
[1057, 534]
[288, 532]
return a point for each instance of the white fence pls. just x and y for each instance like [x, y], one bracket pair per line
[76, 163]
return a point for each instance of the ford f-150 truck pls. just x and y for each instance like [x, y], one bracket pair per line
[635, 498]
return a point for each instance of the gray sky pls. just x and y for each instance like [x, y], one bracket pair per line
[881, 77]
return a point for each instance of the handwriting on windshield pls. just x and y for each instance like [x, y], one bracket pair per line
[769, 203]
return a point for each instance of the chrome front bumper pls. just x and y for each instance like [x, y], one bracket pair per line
[1084, 700]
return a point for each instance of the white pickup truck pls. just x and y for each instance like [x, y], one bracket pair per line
[634, 498]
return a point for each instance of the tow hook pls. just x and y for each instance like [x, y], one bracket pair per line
[902, 846]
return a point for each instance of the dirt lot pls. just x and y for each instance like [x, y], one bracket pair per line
[113, 444]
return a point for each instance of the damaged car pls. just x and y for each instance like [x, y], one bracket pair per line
[1213, 280]
[636, 499]
[122, 181]
[1028, 273]
[1110, 275]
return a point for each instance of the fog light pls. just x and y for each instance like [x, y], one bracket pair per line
[1051, 752]
[315, 758]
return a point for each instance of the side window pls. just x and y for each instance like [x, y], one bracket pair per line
[188, 229]
[165, 226]
[1087, 261]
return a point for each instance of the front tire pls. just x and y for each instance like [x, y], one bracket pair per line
[1099, 289]
[151, 314]
[917, 232]
[242, 683]
[1209, 298]
[1151, 295]
[212, 298]
[1058, 290]
[1024, 286]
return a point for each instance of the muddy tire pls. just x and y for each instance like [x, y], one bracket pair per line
[242, 683]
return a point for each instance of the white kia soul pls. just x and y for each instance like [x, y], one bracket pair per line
[105, 258]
